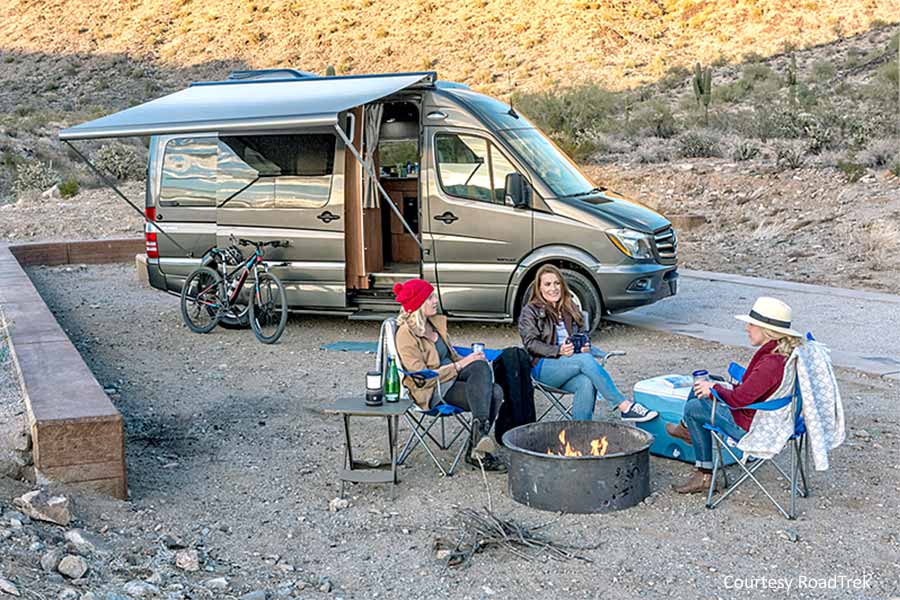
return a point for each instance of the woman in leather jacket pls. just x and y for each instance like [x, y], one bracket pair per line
[548, 325]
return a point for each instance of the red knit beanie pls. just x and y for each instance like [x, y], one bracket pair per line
[413, 293]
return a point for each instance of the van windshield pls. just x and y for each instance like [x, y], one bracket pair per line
[551, 164]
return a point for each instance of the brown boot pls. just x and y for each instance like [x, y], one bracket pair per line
[679, 431]
[697, 483]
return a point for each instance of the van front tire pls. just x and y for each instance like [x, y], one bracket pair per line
[586, 295]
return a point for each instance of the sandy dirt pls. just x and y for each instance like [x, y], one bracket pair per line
[230, 451]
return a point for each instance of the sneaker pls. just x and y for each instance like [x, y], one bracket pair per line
[638, 413]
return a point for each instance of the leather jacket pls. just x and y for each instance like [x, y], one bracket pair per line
[538, 332]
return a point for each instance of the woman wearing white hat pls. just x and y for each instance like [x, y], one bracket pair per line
[769, 327]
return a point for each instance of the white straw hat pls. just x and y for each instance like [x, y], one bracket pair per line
[770, 313]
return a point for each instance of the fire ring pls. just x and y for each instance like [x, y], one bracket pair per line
[542, 476]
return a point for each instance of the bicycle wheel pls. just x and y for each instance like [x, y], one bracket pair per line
[268, 309]
[201, 300]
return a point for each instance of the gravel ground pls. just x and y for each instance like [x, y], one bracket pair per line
[230, 452]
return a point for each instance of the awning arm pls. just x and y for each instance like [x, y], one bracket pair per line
[112, 185]
[371, 171]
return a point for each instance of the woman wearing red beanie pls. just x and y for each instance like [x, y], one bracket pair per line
[423, 343]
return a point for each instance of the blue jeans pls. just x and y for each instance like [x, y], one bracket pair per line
[696, 413]
[582, 375]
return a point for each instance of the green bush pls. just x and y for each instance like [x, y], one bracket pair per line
[121, 161]
[745, 150]
[68, 188]
[789, 155]
[654, 118]
[566, 114]
[823, 71]
[852, 170]
[698, 144]
[34, 176]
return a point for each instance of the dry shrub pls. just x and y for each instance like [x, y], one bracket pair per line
[879, 153]
[770, 229]
[880, 243]
[699, 144]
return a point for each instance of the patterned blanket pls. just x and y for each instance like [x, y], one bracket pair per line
[809, 368]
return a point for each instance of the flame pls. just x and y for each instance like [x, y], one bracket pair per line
[598, 447]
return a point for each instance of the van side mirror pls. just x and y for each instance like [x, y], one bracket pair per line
[517, 191]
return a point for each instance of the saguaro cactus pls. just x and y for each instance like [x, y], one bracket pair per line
[703, 89]
[792, 79]
[329, 71]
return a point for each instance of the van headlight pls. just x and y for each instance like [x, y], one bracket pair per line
[632, 243]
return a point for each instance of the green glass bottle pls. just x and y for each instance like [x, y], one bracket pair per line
[392, 382]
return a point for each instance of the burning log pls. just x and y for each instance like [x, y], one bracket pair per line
[598, 447]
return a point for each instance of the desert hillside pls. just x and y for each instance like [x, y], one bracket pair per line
[486, 43]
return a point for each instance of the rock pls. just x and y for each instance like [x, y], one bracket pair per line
[187, 560]
[14, 434]
[156, 578]
[79, 542]
[73, 567]
[140, 589]
[789, 534]
[337, 504]
[42, 506]
[89, 596]
[173, 543]
[219, 583]
[8, 587]
[325, 587]
[51, 194]
[68, 594]
[15, 524]
[50, 560]
[255, 595]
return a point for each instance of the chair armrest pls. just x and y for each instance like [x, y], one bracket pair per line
[605, 356]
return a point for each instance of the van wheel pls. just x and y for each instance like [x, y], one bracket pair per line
[584, 294]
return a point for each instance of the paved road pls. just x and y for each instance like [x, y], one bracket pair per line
[861, 328]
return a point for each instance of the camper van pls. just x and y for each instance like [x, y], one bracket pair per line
[376, 179]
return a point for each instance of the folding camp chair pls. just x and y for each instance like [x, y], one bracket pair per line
[797, 445]
[557, 396]
[421, 421]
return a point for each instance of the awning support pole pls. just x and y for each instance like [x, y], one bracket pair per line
[371, 171]
[112, 185]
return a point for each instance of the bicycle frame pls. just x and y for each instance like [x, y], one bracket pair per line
[250, 264]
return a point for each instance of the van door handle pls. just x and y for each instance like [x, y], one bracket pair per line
[328, 217]
[447, 218]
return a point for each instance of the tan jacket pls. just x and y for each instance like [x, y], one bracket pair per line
[417, 352]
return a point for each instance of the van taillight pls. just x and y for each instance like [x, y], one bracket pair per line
[150, 233]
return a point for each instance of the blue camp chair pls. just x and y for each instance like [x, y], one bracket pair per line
[797, 444]
[421, 421]
[557, 396]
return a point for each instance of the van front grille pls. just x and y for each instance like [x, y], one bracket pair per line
[666, 244]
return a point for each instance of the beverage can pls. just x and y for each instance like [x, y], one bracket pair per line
[478, 347]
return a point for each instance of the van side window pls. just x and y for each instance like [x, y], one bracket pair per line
[294, 171]
[471, 167]
[189, 173]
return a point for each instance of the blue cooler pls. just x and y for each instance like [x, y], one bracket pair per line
[667, 395]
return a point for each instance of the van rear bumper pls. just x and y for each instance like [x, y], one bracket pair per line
[156, 276]
[629, 286]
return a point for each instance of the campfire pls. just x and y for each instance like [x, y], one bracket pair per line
[578, 466]
[598, 447]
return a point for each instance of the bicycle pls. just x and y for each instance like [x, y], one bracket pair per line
[209, 296]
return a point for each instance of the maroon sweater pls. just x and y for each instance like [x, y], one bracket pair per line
[763, 376]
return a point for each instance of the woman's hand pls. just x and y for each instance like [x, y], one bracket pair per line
[567, 348]
[702, 389]
[469, 359]
[586, 349]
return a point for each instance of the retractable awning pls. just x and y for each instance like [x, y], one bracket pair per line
[232, 106]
